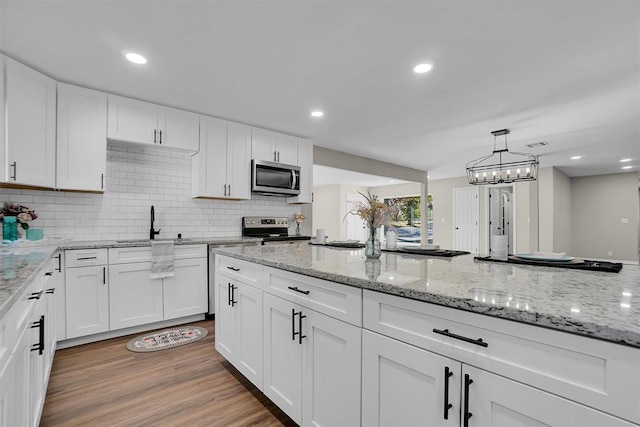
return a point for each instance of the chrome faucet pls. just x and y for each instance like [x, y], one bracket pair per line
[152, 232]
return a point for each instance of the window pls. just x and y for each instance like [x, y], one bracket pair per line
[405, 218]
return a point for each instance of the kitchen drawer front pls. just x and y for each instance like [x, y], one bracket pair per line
[333, 299]
[85, 257]
[143, 253]
[589, 371]
[247, 272]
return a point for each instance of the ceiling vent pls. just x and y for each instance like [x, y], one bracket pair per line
[538, 144]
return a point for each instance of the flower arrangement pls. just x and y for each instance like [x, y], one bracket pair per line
[374, 213]
[298, 217]
[23, 214]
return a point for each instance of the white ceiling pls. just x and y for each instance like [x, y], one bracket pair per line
[566, 72]
[324, 175]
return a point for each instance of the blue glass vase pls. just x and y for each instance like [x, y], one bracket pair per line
[9, 228]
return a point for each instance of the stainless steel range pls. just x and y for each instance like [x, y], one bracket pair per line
[272, 230]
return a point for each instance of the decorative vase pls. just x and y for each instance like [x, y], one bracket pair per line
[372, 245]
[9, 228]
[297, 228]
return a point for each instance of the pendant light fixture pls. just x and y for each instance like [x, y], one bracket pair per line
[502, 166]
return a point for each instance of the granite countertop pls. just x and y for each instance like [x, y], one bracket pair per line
[594, 304]
[22, 262]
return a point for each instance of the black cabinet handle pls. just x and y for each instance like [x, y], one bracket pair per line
[295, 288]
[233, 295]
[154, 135]
[233, 269]
[229, 186]
[293, 325]
[35, 295]
[51, 290]
[160, 137]
[447, 405]
[14, 165]
[59, 262]
[467, 414]
[87, 257]
[275, 159]
[102, 181]
[446, 333]
[49, 273]
[104, 275]
[300, 336]
[39, 347]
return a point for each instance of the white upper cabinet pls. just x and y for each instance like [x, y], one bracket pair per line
[82, 139]
[274, 147]
[222, 167]
[141, 122]
[29, 147]
[305, 161]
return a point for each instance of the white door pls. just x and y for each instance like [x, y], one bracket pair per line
[82, 139]
[225, 324]
[282, 355]
[495, 401]
[87, 301]
[178, 129]
[305, 161]
[465, 219]
[263, 145]
[287, 149]
[331, 385]
[209, 165]
[356, 227]
[238, 161]
[403, 385]
[132, 121]
[248, 320]
[30, 126]
[134, 298]
[185, 294]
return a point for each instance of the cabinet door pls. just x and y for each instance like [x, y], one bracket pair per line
[225, 324]
[59, 283]
[30, 126]
[263, 145]
[209, 165]
[82, 139]
[287, 149]
[282, 356]
[497, 401]
[405, 385]
[331, 372]
[186, 293]
[37, 364]
[239, 161]
[305, 161]
[134, 298]
[248, 320]
[180, 129]
[132, 121]
[87, 301]
[7, 393]
[19, 414]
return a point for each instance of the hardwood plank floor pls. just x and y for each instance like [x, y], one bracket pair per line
[104, 384]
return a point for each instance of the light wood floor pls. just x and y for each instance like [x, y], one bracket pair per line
[104, 384]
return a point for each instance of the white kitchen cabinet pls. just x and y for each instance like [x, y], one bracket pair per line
[6, 392]
[274, 147]
[185, 293]
[408, 386]
[239, 326]
[60, 292]
[134, 298]
[305, 161]
[82, 139]
[311, 364]
[222, 167]
[29, 138]
[130, 120]
[87, 292]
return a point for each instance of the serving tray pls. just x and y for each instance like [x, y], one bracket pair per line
[576, 264]
[431, 252]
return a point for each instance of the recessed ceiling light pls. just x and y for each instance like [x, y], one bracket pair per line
[425, 67]
[625, 160]
[317, 113]
[576, 157]
[134, 57]
[627, 167]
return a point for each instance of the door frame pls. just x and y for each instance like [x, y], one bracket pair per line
[487, 227]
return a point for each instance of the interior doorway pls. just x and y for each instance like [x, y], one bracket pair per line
[501, 219]
[466, 212]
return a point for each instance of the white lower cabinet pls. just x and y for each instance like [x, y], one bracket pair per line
[311, 364]
[134, 298]
[87, 300]
[239, 326]
[186, 293]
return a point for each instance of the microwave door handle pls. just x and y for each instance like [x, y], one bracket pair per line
[294, 177]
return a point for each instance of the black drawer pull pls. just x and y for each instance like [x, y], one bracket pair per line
[49, 273]
[295, 288]
[86, 258]
[233, 269]
[50, 291]
[466, 415]
[35, 295]
[446, 333]
[447, 405]
[59, 256]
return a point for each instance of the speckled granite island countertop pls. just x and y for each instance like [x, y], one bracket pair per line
[19, 265]
[589, 303]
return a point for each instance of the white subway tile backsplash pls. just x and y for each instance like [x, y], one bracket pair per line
[137, 178]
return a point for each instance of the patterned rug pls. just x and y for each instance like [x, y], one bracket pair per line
[169, 338]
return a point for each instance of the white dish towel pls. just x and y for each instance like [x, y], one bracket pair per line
[161, 259]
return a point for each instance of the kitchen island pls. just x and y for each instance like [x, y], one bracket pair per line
[333, 338]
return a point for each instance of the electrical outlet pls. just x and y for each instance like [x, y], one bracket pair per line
[624, 220]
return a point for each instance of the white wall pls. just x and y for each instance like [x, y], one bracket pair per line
[136, 179]
[326, 211]
[555, 210]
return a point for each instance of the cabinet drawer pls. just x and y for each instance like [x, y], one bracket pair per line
[85, 257]
[334, 299]
[238, 269]
[143, 253]
[592, 372]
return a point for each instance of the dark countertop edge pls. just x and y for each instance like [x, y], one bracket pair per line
[555, 323]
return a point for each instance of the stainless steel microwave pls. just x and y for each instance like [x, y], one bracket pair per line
[274, 179]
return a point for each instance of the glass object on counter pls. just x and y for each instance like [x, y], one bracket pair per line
[9, 228]
[35, 234]
[372, 248]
